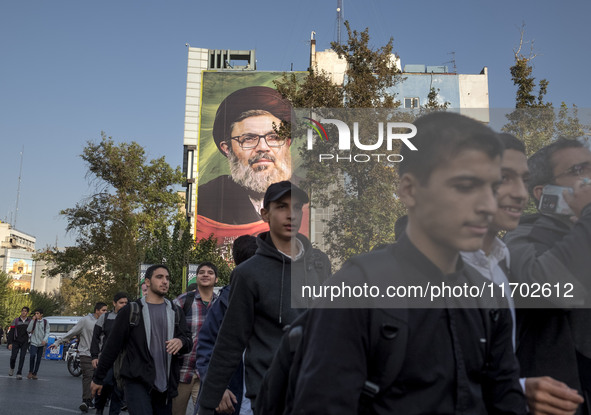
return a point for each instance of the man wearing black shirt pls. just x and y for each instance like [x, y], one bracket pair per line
[440, 358]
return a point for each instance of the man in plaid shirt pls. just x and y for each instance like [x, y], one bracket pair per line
[200, 302]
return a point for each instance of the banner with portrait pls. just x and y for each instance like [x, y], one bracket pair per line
[240, 152]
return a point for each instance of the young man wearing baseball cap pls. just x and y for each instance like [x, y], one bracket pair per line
[260, 302]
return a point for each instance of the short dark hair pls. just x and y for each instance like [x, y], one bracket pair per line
[442, 135]
[26, 308]
[38, 309]
[210, 265]
[99, 305]
[510, 142]
[119, 296]
[152, 268]
[243, 248]
[541, 167]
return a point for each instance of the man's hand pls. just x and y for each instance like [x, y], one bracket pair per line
[44, 343]
[549, 396]
[173, 346]
[95, 389]
[10, 347]
[227, 403]
[94, 363]
[580, 197]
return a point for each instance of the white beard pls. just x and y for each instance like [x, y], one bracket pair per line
[260, 178]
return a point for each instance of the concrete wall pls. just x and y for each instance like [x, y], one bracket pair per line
[196, 64]
[330, 62]
[474, 95]
[419, 85]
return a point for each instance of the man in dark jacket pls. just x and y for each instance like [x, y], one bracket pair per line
[243, 248]
[553, 339]
[150, 369]
[260, 302]
[401, 354]
[101, 332]
[18, 341]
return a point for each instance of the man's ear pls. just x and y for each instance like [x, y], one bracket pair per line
[538, 193]
[225, 147]
[265, 215]
[407, 190]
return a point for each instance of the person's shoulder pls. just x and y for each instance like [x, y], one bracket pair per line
[181, 298]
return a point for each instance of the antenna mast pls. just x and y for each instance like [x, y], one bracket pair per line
[339, 20]
[18, 189]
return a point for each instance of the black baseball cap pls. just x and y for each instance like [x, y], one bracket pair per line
[277, 190]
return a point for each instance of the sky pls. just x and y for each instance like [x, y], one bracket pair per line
[71, 69]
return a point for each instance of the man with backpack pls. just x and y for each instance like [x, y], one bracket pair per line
[18, 341]
[149, 333]
[101, 332]
[260, 301]
[39, 331]
[404, 354]
[195, 305]
[84, 330]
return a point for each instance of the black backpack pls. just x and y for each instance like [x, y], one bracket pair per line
[276, 395]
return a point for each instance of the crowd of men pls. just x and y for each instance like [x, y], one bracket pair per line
[252, 350]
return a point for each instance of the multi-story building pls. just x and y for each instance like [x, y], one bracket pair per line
[466, 93]
[16, 256]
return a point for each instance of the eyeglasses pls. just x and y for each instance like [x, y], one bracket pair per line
[578, 170]
[249, 141]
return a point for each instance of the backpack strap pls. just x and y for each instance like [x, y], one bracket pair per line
[134, 314]
[189, 298]
[177, 314]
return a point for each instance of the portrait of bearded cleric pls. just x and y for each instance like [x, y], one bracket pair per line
[246, 132]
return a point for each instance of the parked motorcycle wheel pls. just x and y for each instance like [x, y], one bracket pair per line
[74, 366]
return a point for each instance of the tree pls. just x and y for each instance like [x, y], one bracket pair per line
[361, 196]
[132, 199]
[433, 102]
[535, 120]
[13, 301]
[179, 249]
[532, 121]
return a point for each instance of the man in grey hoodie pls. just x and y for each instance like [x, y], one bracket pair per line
[84, 329]
[39, 331]
[260, 301]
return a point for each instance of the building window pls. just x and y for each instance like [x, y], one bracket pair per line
[411, 103]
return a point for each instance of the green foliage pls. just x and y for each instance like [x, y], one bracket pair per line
[370, 72]
[535, 121]
[133, 199]
[179, 250]
[360, 196]
[433, 102]
[12, 301]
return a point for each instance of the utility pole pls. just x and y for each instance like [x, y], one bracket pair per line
[339, 20]
[18, 189]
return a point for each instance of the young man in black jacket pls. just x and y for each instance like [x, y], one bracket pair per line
[150, 369]
[401, 354]
[101, 332]
[18, 341]
[260, 301]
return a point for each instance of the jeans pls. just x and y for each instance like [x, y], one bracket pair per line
[36, 354]
[15, 349]
[142, 400]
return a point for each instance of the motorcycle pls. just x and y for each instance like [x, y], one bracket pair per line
[72, 359]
